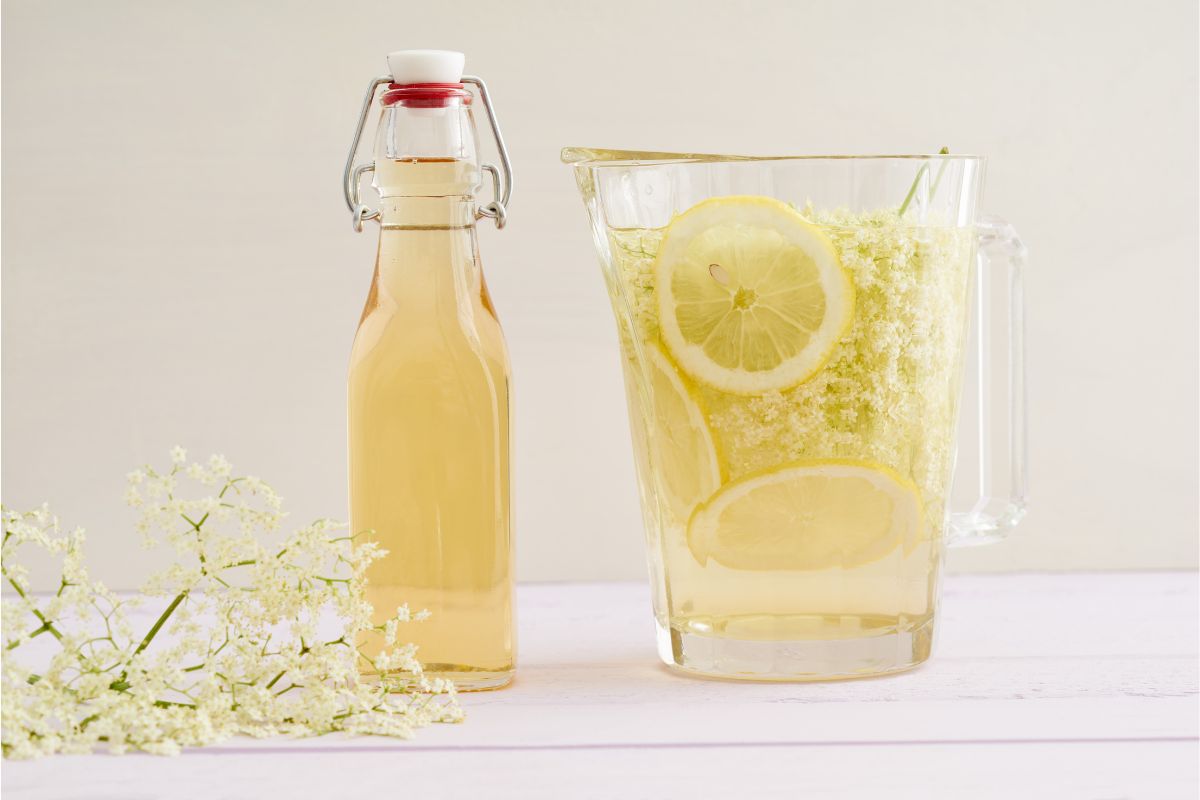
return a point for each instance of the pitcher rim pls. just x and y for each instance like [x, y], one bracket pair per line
[595, 157]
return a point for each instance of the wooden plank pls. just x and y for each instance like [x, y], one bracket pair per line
[1053, 771]
[1043, 686]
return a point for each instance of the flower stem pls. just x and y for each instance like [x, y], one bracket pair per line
[160, 622]
[47, 625]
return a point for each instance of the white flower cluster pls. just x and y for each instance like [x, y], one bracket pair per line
[242, 645]
[888, 392]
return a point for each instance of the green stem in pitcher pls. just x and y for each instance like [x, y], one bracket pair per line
[921, 173]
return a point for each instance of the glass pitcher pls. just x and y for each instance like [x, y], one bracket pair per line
[793, 335]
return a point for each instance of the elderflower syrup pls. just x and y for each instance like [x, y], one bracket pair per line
[429, 375]
[857, 456]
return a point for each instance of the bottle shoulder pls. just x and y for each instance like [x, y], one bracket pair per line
[392, 334]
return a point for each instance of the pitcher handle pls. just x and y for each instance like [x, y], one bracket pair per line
[999, 354]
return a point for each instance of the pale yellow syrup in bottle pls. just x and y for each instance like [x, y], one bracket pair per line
[429, 411]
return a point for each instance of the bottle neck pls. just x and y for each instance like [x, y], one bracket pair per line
[426, 146]
[428, 213]
[428, 261]
[436, 177]
[426, 174]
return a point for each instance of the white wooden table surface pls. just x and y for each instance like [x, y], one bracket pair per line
[1043, 686]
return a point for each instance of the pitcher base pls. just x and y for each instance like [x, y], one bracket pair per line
[809, 659]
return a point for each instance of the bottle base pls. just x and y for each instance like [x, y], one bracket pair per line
[466, 679]
[809, 659]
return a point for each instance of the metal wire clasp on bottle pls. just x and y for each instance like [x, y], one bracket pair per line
[502, 177]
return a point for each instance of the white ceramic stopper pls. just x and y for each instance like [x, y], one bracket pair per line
[426, 66]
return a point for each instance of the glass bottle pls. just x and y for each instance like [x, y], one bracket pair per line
[428, 403]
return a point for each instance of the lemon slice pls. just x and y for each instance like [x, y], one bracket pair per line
[751, 296]
[809, 515]
[684, 459]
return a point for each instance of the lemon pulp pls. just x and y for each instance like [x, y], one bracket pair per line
[808, 516]
[684, 453]
[752, 297]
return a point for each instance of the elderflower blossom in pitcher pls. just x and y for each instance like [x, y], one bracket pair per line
[793, 333]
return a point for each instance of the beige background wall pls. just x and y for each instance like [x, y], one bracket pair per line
[178, 265]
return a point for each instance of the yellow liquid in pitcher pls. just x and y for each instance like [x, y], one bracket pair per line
[885, 403]
[429, 431]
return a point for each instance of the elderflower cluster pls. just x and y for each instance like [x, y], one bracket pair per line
[887, 394]
[256, 632]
